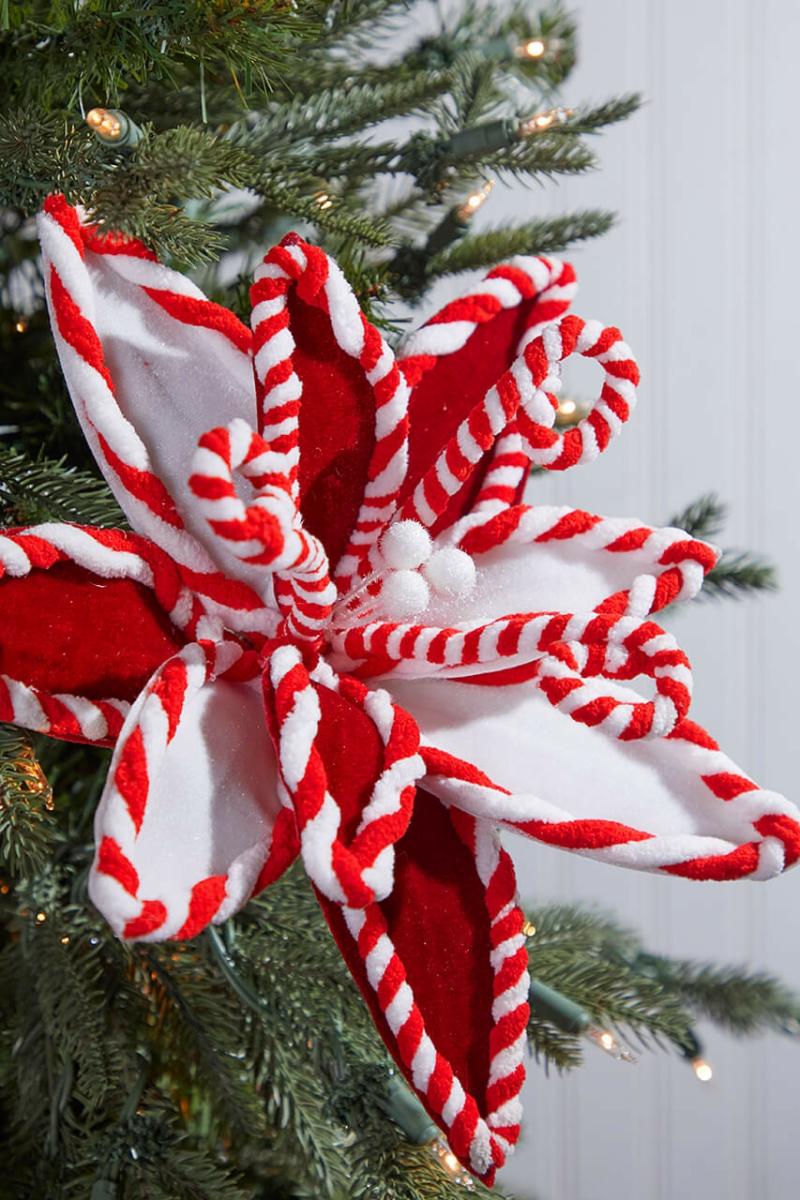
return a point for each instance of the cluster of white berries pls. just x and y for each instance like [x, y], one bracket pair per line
[415, 570]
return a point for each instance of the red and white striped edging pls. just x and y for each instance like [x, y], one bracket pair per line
[548, 282]
[267, 532]
[361, 872]
[114, 441]
[61, 714]
[525, 395]
[107, 554]
[551, 285]
[319, 281]
[152, 723]
[482, 1142]
[506, 472]
[558, 652]
[776, 834]
[683, 561]
[555, 450]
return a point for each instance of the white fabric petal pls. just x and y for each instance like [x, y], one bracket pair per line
[691, 800]
[546, 578]
[151, 365]
[173, 380]
[185, 822]
[558, 559]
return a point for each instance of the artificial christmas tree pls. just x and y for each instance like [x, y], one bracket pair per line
[290, 600]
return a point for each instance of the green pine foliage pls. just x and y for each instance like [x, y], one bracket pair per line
[243, 1064]
[738, 572]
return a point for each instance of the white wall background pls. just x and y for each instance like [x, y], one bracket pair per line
[702, 276]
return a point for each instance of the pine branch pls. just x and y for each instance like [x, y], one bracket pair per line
[745, 1003]
[703, 519]
[96, 49]
[26, 824]
[333, 220]
[43, 152]
[592, 119]
[193, 1017]
[494, 31]
[355, 24]
[474, 91]
[151, 1155]
[738, 574]
[33, 490]
[601, 966]
[338, 110]
[545, 155]
[544, 236]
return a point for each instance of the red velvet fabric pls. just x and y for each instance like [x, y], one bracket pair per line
[66, 630]
[336, 426]
[447, 393]
[436, 914]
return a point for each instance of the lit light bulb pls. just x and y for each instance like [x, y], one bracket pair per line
[323, 200]
[610, 1044]
[702, 1070]
[570, 412]
[112, 126]
[450, 1164]
[33, 779]
[528, 929]
[105, 123]
[475, 201]
[535, 48]
[542, 121]
[20, 325]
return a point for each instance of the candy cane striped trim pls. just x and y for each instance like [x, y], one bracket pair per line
[775, 845]
[61, 714]
[358, 873]
[107, 554]
[547, 281]
[153, 721]
[551, 285]
[481, 1142]
[319, 281]
[556, 450]
[506, 473]
[525, 395]
[267, 532]
[115, 443]
[559, 652]
[679, 562]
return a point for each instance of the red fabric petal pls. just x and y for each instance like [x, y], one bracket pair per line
[450, 376]
[446, 394]
[337, 428]
[83, 626]
[438, 919]
[67, 630]
[332, 401]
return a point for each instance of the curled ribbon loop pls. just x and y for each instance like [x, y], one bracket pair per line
[268, 531]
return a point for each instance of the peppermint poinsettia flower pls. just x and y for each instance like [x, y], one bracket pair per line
[338, 632]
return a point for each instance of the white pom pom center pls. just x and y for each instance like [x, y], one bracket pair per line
[450, 572]
[404, 594]
[405, 545]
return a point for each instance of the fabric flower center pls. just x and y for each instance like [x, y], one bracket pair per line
[409, 568]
